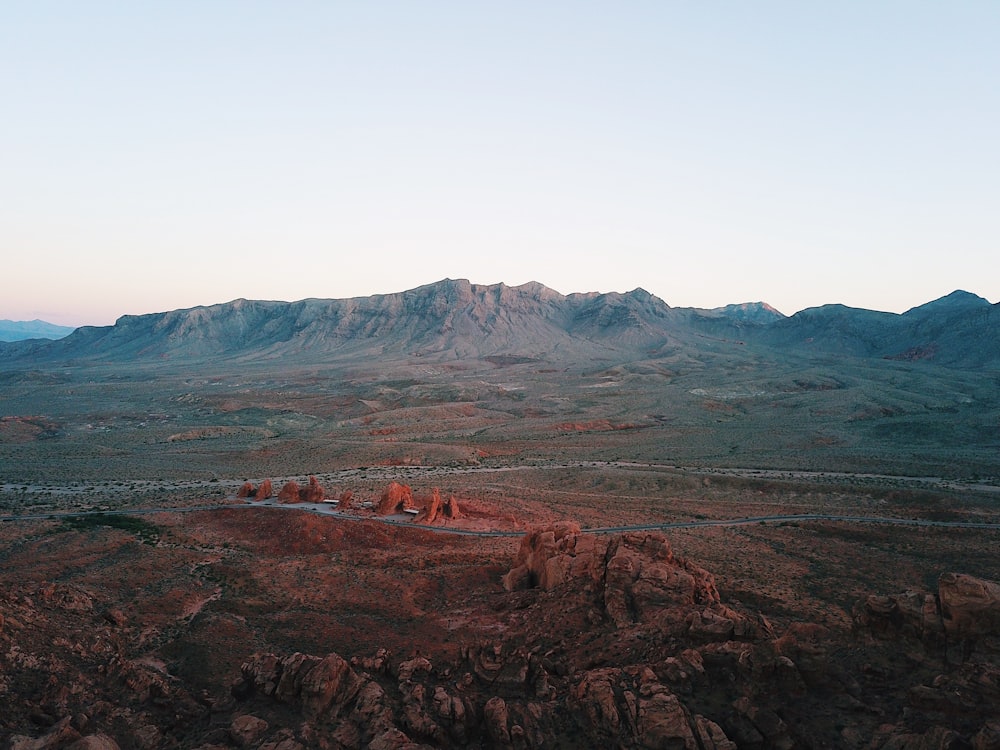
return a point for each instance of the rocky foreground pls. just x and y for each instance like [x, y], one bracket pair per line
[601, 642]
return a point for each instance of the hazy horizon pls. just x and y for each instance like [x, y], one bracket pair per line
[168, 157]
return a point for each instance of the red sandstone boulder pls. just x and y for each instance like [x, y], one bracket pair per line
[970, 607]
[451, 509]
[289, 493]
[313, 492]
[246, 730]
[431, 509]
[396, 498]
[246, 490]
[264, 491]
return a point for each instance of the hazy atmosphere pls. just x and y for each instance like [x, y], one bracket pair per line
[166, 156]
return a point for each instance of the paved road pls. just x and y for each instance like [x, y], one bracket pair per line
[326, 510]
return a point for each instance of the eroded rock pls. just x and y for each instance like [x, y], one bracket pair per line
[395, 499]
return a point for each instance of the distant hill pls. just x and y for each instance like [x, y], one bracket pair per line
[455, 319]
[19, 330]
[958, 330]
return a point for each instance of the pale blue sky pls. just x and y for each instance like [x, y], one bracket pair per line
[155, 156]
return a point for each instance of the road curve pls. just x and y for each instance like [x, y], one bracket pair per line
[326, 510]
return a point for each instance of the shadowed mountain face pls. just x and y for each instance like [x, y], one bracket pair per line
[454, 319]
[959, 330]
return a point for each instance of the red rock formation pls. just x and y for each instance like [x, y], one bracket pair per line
[245, 730]
[550, 555]
[638, 574]
[970, 607]
[395, 499]
[246, 490]
[431, 509]
[966, 608]
[451, 509]
[264, 491]
[289, 493]
[632, 708]
[346, 499]
[313, 492]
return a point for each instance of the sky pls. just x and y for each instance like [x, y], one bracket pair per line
[158, 156]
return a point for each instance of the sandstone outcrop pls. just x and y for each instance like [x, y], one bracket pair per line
[264, 491]
[965, 609]
[289, 493]
[970, 607]
[638, 575]
[432, 508]
[313, 492]
[631, 708]
[599, 641]
[451, 508]
[395, 499]
[293, 492]
[245, 490]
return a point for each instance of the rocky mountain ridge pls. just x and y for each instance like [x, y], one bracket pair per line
[20, 330]
[455, 319]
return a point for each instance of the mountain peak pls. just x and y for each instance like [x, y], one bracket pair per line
[750, 312]
[957, 300]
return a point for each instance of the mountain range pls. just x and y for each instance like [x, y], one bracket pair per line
[455, 319]
[19, 330]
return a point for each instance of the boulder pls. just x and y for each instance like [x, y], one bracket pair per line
[312, 492]
[246, 490]
[329, 686]
[451, 509]
[970, 607]
[289, 493]
[245, 730]
[264, 491]
[431, 509]
[395, 499]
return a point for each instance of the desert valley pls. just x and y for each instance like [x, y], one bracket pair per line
[503, 517]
